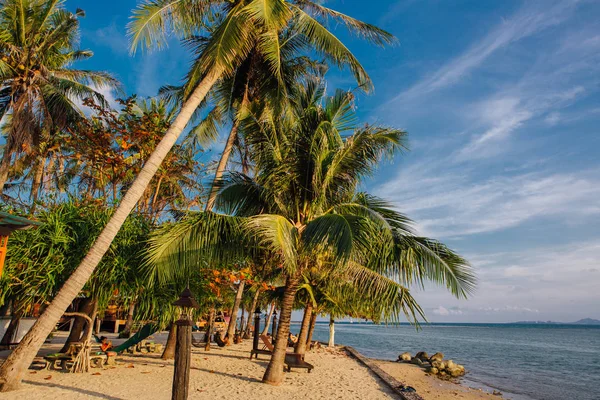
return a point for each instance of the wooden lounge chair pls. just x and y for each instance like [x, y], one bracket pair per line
[292, 360]
[267, 348]
[295, 360]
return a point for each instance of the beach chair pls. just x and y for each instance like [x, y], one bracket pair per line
[295, 360]
[267, 348]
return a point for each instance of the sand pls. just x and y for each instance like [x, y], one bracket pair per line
[430, 387]
[228, 373]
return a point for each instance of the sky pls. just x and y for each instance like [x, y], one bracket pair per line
[501, 102]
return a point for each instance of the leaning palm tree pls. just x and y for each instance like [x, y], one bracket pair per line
[243, 25]
[38, 89]
[301, 206]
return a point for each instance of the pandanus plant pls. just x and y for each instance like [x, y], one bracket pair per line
[301, 206]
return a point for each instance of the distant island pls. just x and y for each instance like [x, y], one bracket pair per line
[585, 321]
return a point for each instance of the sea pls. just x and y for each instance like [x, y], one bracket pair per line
[523, 361]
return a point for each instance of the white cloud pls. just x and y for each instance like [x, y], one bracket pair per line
[447, 203]
[529, 20]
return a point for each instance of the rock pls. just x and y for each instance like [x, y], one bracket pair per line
[450, 364]
[439, 365]
[497, 393]
[436, 357]
[454, 372]
[405, 357]
[417, 361]
[423, 356]
[442, 373]
[432, 370]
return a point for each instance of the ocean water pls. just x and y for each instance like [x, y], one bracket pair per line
[524, 362]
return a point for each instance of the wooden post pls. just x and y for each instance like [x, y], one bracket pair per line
[183, 358]
[256, 329]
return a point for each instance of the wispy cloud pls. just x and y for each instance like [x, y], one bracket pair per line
[529, 20]
[448, 203]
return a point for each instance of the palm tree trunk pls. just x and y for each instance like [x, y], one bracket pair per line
[214, 189]
[36, 184]
[331, 332]
[300, 347]
[210, 328]
[269, 317]
[13, 325]
[129, 323]
[311, 330]
[11, 372]
[85, 306]
[274, 373]
[5, 167]
[169, 352]
[89, 327]
[252, 308]
[234, 312]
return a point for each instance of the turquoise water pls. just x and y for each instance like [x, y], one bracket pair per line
[524, 362]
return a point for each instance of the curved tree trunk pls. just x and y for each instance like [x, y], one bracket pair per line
[36, 184]
[89, 328]
[252, 309]
[210, 328]
[234, 312]
[129, 323]
[269, 317]
[11, 372]
[331, 332]
[300, 347]
[274, 373]
[311, 330]
[86, 307]
[214, 189]
[169, 352]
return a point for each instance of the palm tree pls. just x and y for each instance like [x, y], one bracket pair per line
[38, 43]
[243, 25]
[301, 206]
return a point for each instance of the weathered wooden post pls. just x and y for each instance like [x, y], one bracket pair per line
[183, 347]
[256, 328]
[274, 331]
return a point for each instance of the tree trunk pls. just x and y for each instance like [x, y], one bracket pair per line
[234, 312]
[252, 308]
[13, 326]
[214, 189]
[36, 184]
[89, 327]
[5, 167]
[129, 323]
[311, 330]
[169, 352]
[268, 321]
[274, 373]
[331, 332]
[85, 306]
[11, 372]
[300, 347]
[210, 328]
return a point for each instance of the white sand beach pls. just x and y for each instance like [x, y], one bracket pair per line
[226, 373]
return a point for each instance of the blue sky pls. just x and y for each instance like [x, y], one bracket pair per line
[501, 101]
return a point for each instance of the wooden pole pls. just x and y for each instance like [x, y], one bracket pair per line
[183, 358]
[256, 329]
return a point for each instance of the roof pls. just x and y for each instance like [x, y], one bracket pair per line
[9, 223]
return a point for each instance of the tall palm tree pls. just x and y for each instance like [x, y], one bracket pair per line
[38, 89]
[301, 206]
[243, 24]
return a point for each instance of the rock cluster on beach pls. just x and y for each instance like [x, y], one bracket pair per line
[435, 365]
